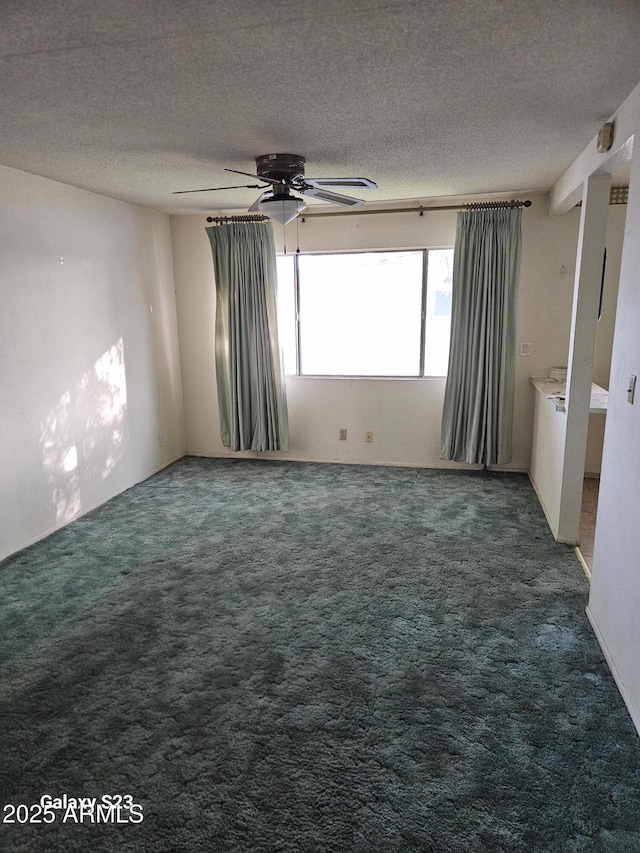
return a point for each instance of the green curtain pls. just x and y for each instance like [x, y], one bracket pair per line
[251, 391]
[477, 417]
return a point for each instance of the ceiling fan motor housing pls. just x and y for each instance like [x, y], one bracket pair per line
[280, 167]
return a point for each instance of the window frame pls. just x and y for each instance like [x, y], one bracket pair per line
[423, 313]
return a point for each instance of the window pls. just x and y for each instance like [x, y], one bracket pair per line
[366, 313]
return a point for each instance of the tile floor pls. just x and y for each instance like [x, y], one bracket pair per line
[588, 518]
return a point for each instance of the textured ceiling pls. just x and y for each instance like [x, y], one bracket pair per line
[137, 98]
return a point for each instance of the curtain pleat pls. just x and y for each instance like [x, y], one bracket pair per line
[251, 390]
[478, 405]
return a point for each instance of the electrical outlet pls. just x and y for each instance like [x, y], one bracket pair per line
[368, 437]
[343, 434]
[525, 348]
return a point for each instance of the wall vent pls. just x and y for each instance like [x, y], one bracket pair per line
[619, 195]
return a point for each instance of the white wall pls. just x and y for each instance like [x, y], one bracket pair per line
[606, 324]
[561, 452]
[404, 415]
[547, 457]
[614, 602]
[614, 599]
[605, 331]
[90, 398]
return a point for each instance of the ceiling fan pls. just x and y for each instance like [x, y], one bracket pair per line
[283, 173]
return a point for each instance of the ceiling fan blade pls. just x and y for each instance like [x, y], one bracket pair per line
[260, 198]
[213, 189]
[332, 198]
[359, 183]
[249, 175]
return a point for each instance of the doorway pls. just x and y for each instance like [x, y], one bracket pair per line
[602, 365]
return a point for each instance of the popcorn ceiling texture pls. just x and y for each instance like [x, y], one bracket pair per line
[430, 99]
[295, 657]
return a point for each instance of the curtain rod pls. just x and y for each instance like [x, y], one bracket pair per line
[223, 220]
[482, 205]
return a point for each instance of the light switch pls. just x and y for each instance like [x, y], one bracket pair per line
[631, 390]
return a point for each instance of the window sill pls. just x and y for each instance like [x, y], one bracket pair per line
[365, 377]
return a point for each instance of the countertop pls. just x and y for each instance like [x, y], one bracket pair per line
[556, 391]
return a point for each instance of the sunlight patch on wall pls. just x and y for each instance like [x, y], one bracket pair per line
[83, 437]
[60, 459]
[102, 397]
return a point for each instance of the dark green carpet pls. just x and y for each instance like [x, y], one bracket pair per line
[289, 657]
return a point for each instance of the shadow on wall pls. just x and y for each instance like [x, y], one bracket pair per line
[84, 435]
[154, 266]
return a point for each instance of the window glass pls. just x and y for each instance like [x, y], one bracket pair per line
[361, 313]
[438, 314]
[286, 295]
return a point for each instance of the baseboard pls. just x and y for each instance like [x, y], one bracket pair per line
[552, 526]
[583, 563]
[286, 456]
[634, 712]
[282, 456]
[54, 528]
[554, 530]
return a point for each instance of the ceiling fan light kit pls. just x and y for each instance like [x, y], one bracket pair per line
[281, 207]
[285, 172]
